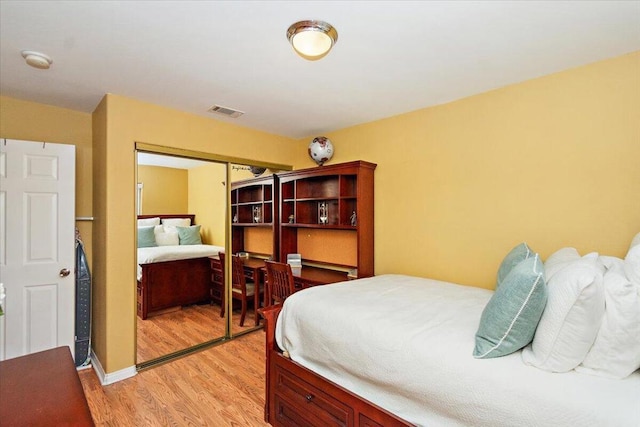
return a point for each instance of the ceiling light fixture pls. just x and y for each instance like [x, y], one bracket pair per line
[312, 40]
[37, 59]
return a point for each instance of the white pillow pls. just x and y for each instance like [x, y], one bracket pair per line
[166, 238]
[170, 224]
[147, 222]
[616, 350]
[632, 261]
[571, 318]
[558, 260]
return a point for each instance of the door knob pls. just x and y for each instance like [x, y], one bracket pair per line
[64, 272]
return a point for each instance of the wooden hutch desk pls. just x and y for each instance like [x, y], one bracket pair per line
[254, 269]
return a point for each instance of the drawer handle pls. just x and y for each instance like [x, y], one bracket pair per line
[309, 398]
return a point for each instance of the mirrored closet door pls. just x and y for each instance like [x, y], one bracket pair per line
[186, 214]
[181, 225]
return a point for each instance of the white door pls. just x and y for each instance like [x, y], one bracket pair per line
[37, 246]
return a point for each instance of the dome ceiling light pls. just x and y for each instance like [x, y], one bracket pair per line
[312, 40]
[37, 59]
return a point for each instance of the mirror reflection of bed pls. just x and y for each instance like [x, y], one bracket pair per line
[176, 307]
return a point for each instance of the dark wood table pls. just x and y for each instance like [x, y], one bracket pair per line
[255, 270]
[312, 276]
[309, 276]
[42, 389]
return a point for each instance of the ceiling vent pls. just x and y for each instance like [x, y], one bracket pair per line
[225, 111]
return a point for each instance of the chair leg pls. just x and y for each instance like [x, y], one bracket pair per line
[256, 305]
[222, 304]
[244, 312]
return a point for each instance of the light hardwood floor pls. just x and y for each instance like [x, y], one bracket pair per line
[220, 386]
[188, 326]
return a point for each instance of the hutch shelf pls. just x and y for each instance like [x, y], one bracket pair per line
[253, 204]
[333, 197]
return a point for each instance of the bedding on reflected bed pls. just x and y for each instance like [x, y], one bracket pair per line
[174, 253]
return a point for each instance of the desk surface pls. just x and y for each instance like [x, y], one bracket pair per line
[308, 276]
[42, 389]
[318, 276]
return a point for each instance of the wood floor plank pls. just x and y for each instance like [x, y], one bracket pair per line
[186, 327]
[220, 386]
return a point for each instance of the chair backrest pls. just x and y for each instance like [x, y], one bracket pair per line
[238, 280]
[217, 272]
[279, 281]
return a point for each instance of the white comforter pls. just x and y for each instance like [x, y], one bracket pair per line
[173, 253]
[406, 344]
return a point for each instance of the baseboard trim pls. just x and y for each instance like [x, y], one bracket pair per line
[112, 377]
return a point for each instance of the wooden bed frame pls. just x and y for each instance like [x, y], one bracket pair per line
[169, 284]
[295, 395]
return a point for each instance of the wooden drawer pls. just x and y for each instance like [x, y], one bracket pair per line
[298, 403]
[365, 421]
[300, 397]
[139, 299]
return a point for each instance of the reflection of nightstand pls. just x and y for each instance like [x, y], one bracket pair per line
[217, 286]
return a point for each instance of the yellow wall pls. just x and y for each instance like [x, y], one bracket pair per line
[553, 161]
[99, 293]
[165, 190]
[200, 191]
[119, 122]
[38, 122]
[207, 200]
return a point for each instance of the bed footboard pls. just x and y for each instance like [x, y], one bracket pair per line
[173, 283]
[295, 396]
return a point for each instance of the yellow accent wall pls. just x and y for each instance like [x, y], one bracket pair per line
[553, 161]
[101, 319]
[207, 200]
[119, 123]
[31, 121]
[165, 190]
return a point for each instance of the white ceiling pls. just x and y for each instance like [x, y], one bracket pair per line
[391, 56]
[168, 161]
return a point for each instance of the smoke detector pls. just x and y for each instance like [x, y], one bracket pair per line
[225, 111]
[37, 59]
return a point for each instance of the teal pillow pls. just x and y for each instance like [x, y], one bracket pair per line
[190, 235]
[146, 237]
[513, 258]
[510, 318]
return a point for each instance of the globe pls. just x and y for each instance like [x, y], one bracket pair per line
[257, 171]
[321, 150]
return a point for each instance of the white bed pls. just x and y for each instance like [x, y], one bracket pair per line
[173, 253]
[173, 266]
[406, 344]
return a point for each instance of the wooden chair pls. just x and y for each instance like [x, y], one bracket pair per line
[241, 289]
[280, 282]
